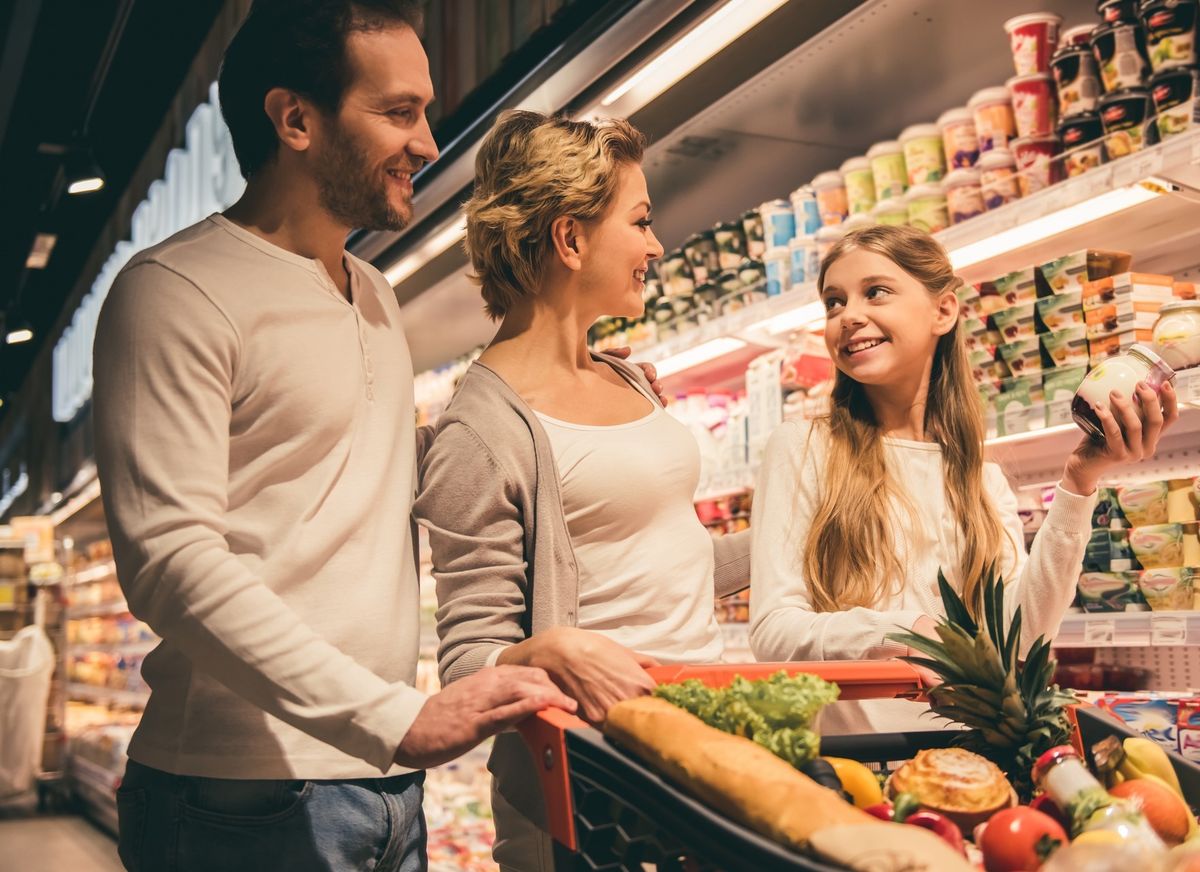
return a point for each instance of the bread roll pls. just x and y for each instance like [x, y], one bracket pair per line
[742, 780]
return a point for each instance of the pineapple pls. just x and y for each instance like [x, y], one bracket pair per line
[1013, 711]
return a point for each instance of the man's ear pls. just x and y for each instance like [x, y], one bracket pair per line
[291, 116]
[947, 312]
[566, 237]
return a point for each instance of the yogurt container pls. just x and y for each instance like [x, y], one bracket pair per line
[1076, 78]
[808, 215]
[964, 195]
[1032, 39]
[893, 212]
[1036, 167]
[778, 266]
[1176, 94]
[1177, 334]
[701, 252]
[831, 198]
[959, 141]
[779, 223]
[998, 178]
[860, 185]
[1114, 11]
[1170, 27]
[1082, 139]
[1145, 503]
[731, 243]
[994, 123]
[858, 222]
[803, 260]
[826, 238]
[1121, 373]
[752, 227]
[1034, 103]
[676, 275]
[1120, 52]
[1157, 546]
[1169, 588]
[888, 169]
[1080, 34]
[927, 209]
[924, 155]
[1128, 119]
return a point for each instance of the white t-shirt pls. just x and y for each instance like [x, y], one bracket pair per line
[645, 560]
[783, 625]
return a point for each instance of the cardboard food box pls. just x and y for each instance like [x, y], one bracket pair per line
[1071, 271]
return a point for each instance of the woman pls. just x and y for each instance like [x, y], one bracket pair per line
[557, 492]
[856, 512]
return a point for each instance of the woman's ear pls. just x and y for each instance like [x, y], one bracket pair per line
[946, 314]
[565, 237]
[289, 117]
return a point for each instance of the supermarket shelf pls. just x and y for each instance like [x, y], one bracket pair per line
[107, 696]
[1128, 629]
[97, 611]
[128, 648]
[99, 572]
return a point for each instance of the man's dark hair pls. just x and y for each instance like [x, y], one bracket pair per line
[299, 45]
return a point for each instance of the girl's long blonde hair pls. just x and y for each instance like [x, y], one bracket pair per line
[850, 556]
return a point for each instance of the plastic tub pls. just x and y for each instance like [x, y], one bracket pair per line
[1176, 94]
[927, 209]
[860, 185]
[964, 195]
[1170, 27]
[1034, 104]
[924, 155]
[779, 223]
[1128, 119]
[831, 198]
[1082, 139]
[804, 205]
[1036, 167]
[1032, 39]
[893, 212]
[1076, 78]
[1120, 54]
[959, 140]
[888, 169]
[998, 178]
[994, 123]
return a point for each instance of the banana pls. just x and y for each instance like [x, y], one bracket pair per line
[1147, 757]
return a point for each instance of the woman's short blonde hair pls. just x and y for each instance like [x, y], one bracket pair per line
[531, 169]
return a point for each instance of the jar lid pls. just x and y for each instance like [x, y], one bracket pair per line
[888, 146]
[855, 164]
[998, 94]
[996, 158]
[829, 179]
[1032, 18]
[834, 231]
[956, 115]
[778, 203]
[1151, 357]
[1052, 757]
[893, 204]
[858, 221]
[1179, 306]
[919, 131]
[921, 192]
[804, 192]
[964, 176]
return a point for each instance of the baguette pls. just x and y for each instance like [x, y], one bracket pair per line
[735, 776]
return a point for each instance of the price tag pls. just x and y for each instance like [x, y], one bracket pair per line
[1149, 163]
[1099, 632]
[1167, 630]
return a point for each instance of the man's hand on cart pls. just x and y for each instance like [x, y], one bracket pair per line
[466, 712]
[593, 670]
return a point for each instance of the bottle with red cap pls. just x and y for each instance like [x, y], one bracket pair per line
[1061, 775]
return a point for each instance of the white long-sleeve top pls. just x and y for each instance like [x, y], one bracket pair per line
[254, 438]
[783, 624]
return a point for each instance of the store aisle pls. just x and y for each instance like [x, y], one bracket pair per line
[61, 843]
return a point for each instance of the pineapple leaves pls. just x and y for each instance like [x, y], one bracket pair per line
[956, 610]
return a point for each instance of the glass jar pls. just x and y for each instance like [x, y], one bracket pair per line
[1121, 373]
[1177, 334]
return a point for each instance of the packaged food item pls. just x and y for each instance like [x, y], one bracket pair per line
[779, 223]
[1157, 545]
[985, 369]
[1155, 716]
[731, 243]
[927, 209]
[857, 222]
[1035, 109]
[1082, 140]
[675, 274]
[1016, 322]
[1144, 504]
[1079, 34]
[826, 237]
[1128, 119]
[1114, 11]
[1109, 551]
[959, 140]
[1110, 592]
[701, 252]
[831, 198]
[1176, 95]
[1121, 317]
[805, 265]
[1120, 50]
[1023, 356]
[1059, 384]
[1177, 334]
[924, 154]
[888, 169]
[1059, 312]
[1128, 285]
[1115, 344]
[752, 227]
[1076, 77]
[993, 113]
[1183, 502]
[1069, 273]
[1185, 290]
[1121, 373]
[860, 185]
[1032, 39]
[808, 213]
[893, 211]
[1170, 27]
[1036, 167]
[1169, 588]
[998, 178]
[1015, 403]
[1017, 287]
[964, 195]
[778, 265]
[1067, 347]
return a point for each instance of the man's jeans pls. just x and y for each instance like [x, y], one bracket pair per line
[175, 823]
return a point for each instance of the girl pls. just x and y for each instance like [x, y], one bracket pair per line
[856, 512]
[557, 492]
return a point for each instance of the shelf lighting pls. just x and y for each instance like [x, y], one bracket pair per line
[1106, 204]
[702, 353]
[430, 249]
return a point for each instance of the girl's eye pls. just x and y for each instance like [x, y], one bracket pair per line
[832, 303]
[876, 291]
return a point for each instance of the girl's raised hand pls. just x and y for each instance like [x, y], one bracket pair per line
[1131, 433]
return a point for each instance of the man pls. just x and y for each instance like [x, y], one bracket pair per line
[255, 442]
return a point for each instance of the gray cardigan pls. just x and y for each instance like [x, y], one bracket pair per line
[502, 556]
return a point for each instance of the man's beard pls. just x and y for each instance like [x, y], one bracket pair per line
[351, 190]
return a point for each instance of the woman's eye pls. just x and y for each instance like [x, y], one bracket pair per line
[645, 222]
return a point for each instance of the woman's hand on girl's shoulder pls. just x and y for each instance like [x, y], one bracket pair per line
[1131, 433]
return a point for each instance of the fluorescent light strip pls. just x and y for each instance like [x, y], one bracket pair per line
[1031, 435]
[1049, 225]
[702, 353]
[435, 245]
[690, 51]
[808, 316]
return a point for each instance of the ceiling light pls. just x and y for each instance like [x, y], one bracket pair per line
[19, 332]
[1054, 223]
[84, 176]
[39, 252]
[431, 248]
[702, 353]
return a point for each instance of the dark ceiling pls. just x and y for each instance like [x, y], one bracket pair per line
[52, 67]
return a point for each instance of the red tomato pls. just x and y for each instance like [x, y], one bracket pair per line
[1019, 840]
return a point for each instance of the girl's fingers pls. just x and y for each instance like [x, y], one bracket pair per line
[1130, 423]
[1170, 404]
[1113, 439]
[1152, 419]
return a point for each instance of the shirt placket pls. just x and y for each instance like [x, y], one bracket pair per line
[364, 344]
